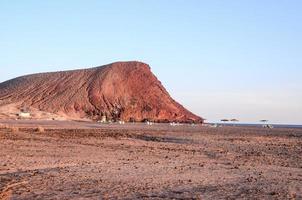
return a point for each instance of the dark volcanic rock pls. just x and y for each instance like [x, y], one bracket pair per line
[120, 91]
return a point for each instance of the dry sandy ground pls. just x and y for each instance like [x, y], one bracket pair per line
[150, 162]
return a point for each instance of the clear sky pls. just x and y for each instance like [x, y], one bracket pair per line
[220, 59]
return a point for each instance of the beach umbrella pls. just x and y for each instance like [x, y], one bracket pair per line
[224, 120]
[234, 121]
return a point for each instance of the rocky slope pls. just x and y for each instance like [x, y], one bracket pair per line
[120, 91]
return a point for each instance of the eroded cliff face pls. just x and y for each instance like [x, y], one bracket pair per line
[126, 91]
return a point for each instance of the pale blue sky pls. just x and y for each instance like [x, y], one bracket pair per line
[220, 59]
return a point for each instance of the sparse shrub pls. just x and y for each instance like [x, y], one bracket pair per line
[4, 126]
[9, 128]
[14, 129]
[40, 129]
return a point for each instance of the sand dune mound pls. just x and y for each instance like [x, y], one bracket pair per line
[126, 91]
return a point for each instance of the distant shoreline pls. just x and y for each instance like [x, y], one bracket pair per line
[89, 124]
[257, 125]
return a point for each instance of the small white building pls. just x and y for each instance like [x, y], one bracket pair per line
[103, 119]
[24, 115]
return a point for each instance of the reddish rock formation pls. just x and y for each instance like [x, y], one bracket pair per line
[121, 91]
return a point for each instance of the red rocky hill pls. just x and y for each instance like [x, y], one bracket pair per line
[120, 91]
